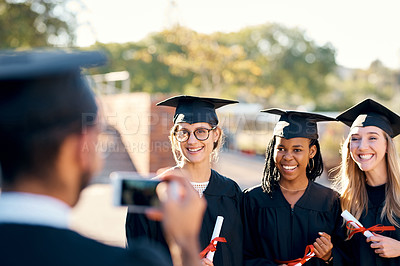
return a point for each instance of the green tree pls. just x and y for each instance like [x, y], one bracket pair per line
[143, 61]
[294, 67]
[217, 69]
[182, 61]
[350, 86]
[36, 23]
[269, 64]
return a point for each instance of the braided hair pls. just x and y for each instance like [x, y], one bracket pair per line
[271, 174]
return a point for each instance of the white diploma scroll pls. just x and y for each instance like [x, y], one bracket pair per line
[354, 222]
[216, 232]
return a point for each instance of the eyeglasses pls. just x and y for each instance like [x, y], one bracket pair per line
[200, 134]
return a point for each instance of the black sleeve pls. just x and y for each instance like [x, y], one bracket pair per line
[138, 226]
[229, 253]
[252, 254]
[340, 246]
[146, 253]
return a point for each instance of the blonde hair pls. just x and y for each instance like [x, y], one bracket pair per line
[178, 155]
[351, 181]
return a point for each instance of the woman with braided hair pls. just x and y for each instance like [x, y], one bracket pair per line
[289, 217]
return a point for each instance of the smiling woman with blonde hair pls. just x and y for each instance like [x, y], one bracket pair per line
[196, 139]
[370, 181]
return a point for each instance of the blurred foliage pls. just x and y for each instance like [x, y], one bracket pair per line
[144, 62]
[350, 86]
[293, 66]
[266, 64]
[269, 64]
[36, 23]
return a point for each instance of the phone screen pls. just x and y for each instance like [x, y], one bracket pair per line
[139, 193]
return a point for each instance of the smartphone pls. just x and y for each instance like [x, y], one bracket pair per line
[135, 191]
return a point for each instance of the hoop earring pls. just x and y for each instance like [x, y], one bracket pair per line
[310, 167]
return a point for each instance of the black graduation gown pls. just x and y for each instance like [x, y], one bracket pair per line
[360, 250]
[275, 231]
[22, 245]
[224, 198]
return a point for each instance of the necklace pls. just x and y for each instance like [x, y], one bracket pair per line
[293, 190]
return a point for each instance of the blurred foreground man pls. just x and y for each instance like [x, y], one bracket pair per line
[49, 131]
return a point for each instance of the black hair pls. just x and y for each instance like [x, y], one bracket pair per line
[271, 174]
[36, 116]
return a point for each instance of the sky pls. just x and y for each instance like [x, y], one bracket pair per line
[360, 30]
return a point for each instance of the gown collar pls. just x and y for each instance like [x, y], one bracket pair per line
[219, 185]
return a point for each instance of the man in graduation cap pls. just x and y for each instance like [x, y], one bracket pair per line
[370, 174]
[195, 140]
[49, 131]
[289, 218]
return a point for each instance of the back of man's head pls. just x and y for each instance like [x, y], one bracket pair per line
[43, 99]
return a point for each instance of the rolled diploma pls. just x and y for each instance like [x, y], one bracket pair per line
[216, 232]
[354, 222]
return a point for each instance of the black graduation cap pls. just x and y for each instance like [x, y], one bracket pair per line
[371, 113]
[296, 124]
[44, 88]
[36, 63]
[192, 109]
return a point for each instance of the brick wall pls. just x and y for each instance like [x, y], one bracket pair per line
[130, 115]
[161, 123]
[143, 126]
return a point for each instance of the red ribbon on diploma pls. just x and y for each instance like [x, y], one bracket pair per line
[308, 254]
[212, 246]
[376, 228]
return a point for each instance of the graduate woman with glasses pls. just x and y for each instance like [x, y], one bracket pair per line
[196, 139]
[370, 179]
[289, 218]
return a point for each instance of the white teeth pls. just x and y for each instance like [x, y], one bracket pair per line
[366, 156]
[286, 167]
[194, 150]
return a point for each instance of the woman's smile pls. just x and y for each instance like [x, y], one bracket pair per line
[195, 150]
